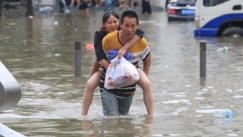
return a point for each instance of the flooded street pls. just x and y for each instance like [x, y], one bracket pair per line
[40, 55]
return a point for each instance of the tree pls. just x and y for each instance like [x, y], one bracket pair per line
[166, 4]
[29, 8]
[1, 1]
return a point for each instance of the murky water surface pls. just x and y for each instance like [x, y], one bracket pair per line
[40, 55]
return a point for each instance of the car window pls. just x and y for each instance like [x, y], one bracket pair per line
[210, 3]
[186, 1]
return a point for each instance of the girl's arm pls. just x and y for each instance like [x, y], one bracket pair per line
[138, 35]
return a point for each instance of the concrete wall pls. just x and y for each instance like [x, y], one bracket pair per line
[158, 3]
[49, 2]
[45, 2]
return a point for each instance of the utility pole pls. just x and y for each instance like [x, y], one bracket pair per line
[29, 9]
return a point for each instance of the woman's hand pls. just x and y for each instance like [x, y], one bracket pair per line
[121, 52]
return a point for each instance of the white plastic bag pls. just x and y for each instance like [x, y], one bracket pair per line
[120, 73]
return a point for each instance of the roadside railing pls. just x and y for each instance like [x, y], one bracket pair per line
[10, 94]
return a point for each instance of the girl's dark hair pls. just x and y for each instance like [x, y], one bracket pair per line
[106, 16]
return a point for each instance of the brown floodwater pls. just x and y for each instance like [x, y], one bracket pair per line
[40, 55]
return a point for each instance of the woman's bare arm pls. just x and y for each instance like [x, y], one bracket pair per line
[138, 35]
[123, 50]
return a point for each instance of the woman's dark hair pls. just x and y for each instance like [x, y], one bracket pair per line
[106, 16]
[130, 14]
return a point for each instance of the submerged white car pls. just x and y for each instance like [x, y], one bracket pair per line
[181, 9]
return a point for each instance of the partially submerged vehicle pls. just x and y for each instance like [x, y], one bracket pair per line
[219, 18]
[181, 9]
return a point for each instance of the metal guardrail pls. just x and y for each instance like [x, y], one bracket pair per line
[10, 94]
[7, 132]
[10, 91]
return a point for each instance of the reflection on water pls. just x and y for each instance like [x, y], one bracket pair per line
[40, 55]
